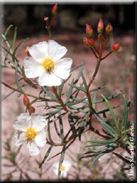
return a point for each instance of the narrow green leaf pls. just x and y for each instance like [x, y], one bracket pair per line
[106, 110]
[98, 88]
[14, 38]
[16, 78]
[73, 103]
[79, 74]
[104, 142]
[97, 150]
[96, 158]
[78, 88]
[5, 39]
[84, 80]
[8, 95]
[124, 119]
[46, 155]
[112, 113]
[49, 135]
[71, 123]
[108, 128]
[52, 96]
[22, 42]
[82, 64]
[69, 92]
[94, 99]
[61, 160]
[108, 98]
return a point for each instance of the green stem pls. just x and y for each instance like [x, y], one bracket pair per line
[59, 99]
[43, 99]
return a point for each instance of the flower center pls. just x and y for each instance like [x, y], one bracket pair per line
[30, 134]
[48, 64]
[62, 168]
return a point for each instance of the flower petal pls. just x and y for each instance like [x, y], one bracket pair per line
[38, 122]
[55, 50]
[22, 122]
[20, 140]
[62, 68]
[47, 79]
[32, 68]
[41, 138]
[33, 149]
[39, 51]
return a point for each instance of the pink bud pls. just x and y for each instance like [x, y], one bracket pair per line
[26, 100]
[85, 41]
[100, 26]
[89, 30]
[109, 29]
[115, 47]
[54, 9]
[31, 109]
[91, 42]
[101, 38]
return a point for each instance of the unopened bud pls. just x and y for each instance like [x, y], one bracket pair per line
[101, 38]
[109, 29]
[100, 26]
[54, 9]
[26, 51]
[26, 100]
[89, 30]
[46, 18]
[91, 42]
[31, 109]
[85, 41]
[115, 47]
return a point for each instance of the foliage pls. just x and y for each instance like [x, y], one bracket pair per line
[58, 103]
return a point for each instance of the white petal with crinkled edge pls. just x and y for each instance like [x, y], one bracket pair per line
[39, 51]
[55, 50]
[41, 138]
[20, 140]
[22, 122]
[33, 149]
[62, 68]
[47, 79]
[38, 122]
[32, 68]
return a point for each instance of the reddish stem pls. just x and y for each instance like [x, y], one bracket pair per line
[106, 55]
[94, 52]
[51, 22]
[96, 49]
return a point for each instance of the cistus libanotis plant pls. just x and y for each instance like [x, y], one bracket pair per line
[44, 69]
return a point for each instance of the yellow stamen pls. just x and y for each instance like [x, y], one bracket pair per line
[62, 168]
[30, 134]
[48, 64]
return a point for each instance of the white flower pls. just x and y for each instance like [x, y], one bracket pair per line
[32, 130]
[66, 165]
[46, 62]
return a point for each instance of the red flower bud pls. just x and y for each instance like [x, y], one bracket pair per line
[31, 109]
[54, 9]
[100, 26]
[85, 41]
[115, 47]
[91, 42]
[109, 29]
[26, 100]
[101, 38]
[88, 42]
[89, 30]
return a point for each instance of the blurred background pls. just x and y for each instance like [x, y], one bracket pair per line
[71, 17]
[68, 30]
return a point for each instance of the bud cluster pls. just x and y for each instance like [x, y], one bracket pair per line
[26, 102]
[89, 42]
